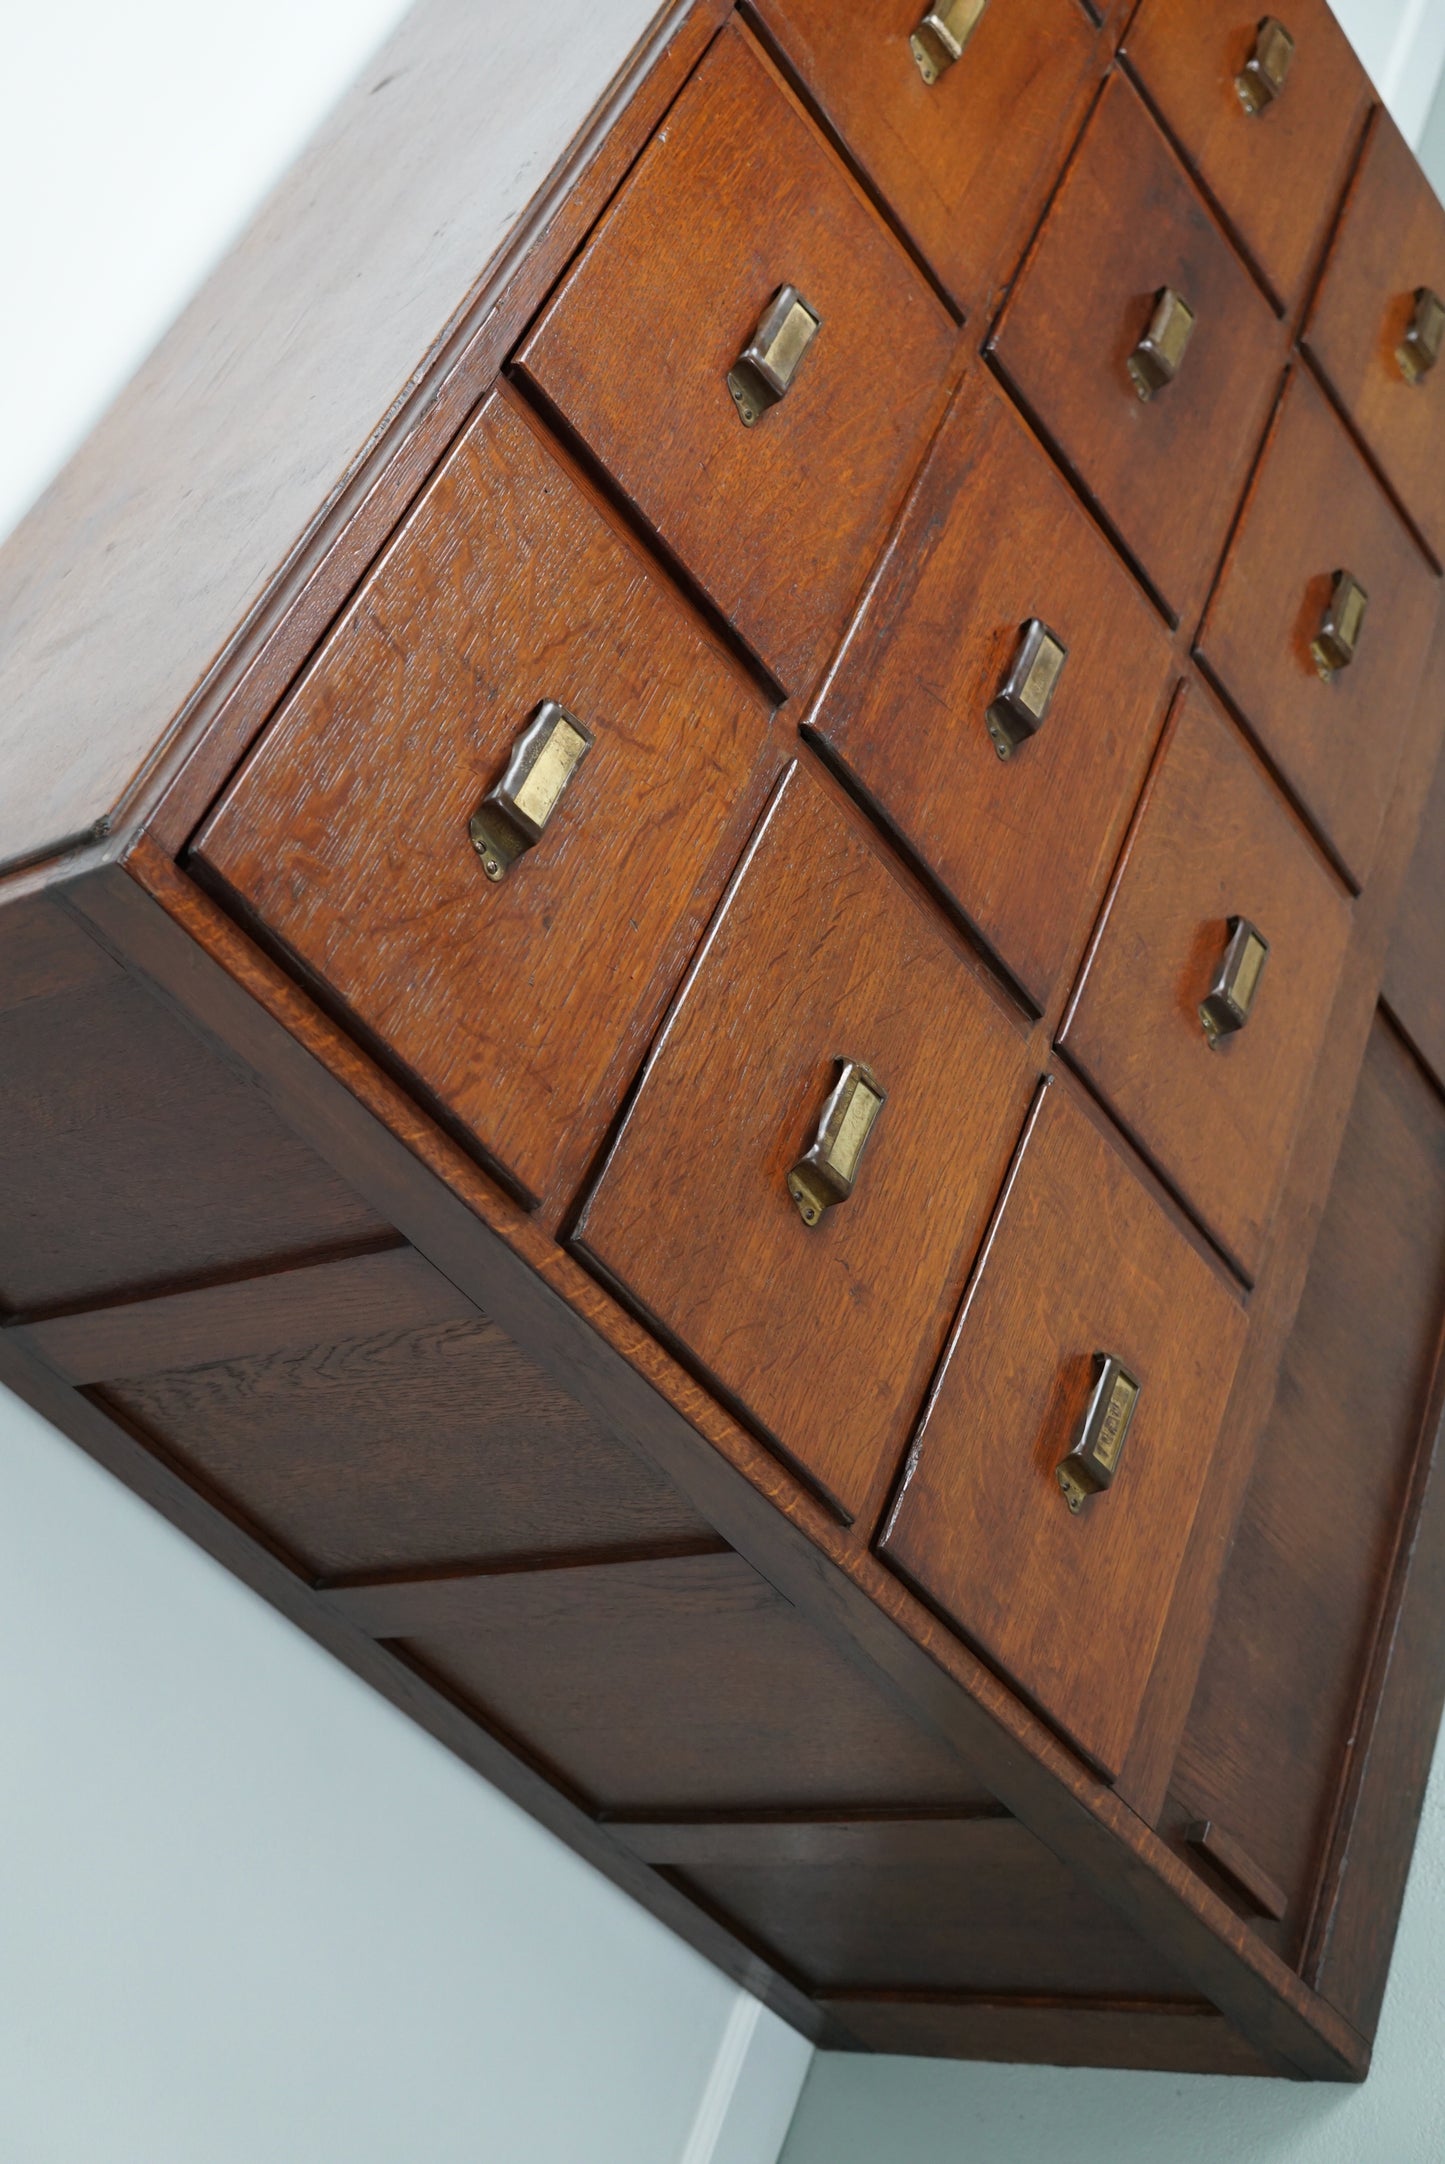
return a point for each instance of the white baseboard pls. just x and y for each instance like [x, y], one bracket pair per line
[751, 2094]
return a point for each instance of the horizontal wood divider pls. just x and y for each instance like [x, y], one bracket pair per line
[1183, 2036]
[648, 1590]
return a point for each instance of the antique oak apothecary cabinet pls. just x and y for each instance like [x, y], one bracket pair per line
[722, 981]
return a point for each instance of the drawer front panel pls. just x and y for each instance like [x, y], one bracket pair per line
[1390, 246]
[1070, 1604]
[993, 540]
[1214, 845]
[736, 197]
[965, 161]
[519, 1005]
[1274, 624]
[1126, 226]
[1274, 154]
[824, 1334]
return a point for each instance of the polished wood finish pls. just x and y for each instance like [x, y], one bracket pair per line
[1219, 1848]
[1165, 474]
[826, 1335]
[992, 538]
[1314, 509]
[736, 197]
[1276, 175]
[1213, 842]
[520, 1008]
[965, 163]
[1415, 970]
[1390, 242]
[1173, 2037]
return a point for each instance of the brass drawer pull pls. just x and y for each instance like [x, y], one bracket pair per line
[825, 1173]
[1419, 349]
[1265, 70]
[1227, 1005]
[513, 815]
[1156, 360]
[1337, 641]
[764, 370]
[1020, 707]
[1092, 1463]
[943, 33]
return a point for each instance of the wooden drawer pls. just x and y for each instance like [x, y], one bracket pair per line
[1275, 169]
[1389, 246]
[736, 197]
[826, 1334]
[1214, 842]
[1082, 1262]
[992, 541]
[964, 162]
[1166, 472]
[520, 1007]
[1315, 510]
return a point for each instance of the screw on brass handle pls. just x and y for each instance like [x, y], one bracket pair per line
[941, 36]
[1227, 1005]
[513, 815]
[1156, 360]
[764, 370]
[1419, 349]
[1336, 643]
[1020, 706]
[824, 1175]
[1092, 1463]
[1265, 70]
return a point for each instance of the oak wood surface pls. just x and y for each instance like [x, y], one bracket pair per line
[1314, 509]
[1166, 474]
[825, 1334]
[1214, 840]
[522, 1007]
[1414, 983]
[44, 952]
[991, 538]
[736, 196]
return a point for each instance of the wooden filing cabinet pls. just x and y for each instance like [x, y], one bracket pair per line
[727, 1046]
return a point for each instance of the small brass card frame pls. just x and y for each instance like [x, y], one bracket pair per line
[1267, 67]
[1159, 355]
[1229, 1002]
[1419, 349]
[764, 371]
[943, 33]
[1020, 707]
[513, 815]
[1337, 641]
[826, 1172]
[1091, 1465]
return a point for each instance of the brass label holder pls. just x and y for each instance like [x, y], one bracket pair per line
[1091, 1465]
[826, 1172]
[1159, 355]
[513, 815]
[1229, 1002]
[764, 371]
[1336, 643]
[1419, 349]
[1264, 73]
[939, 39]
[1020, 707]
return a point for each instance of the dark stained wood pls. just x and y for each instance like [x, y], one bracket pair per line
[1125, 223]
[735, 197]
[1276, 175]
[44, 952]
[522, 1007]
[1269, 1738]
[1174, 2038]
[1390, 241]
[1213, 841]
[780, 1843]
[826, 1334]
[1415, 968]
[964, 165]
[673, 1684]
[992, 538]
[1219, 1847]
[1081, 1260]
[1314, 509]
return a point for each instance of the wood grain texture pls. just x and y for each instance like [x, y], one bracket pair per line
[1268, 1740]
[965, 164]
[1126, 222]
[1218, 1847]
[826, 1335]
[521, 1008]
[44, 952]
[1080, 1261]
[736, 196]
[684, 1684]
[1314, 509]
[1213, 841]
[993, 537]
[1276, 175]
[1150, 2037]
[1391, 240]
[1415, 967]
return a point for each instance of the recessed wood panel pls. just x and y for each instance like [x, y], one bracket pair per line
[1415, 966]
